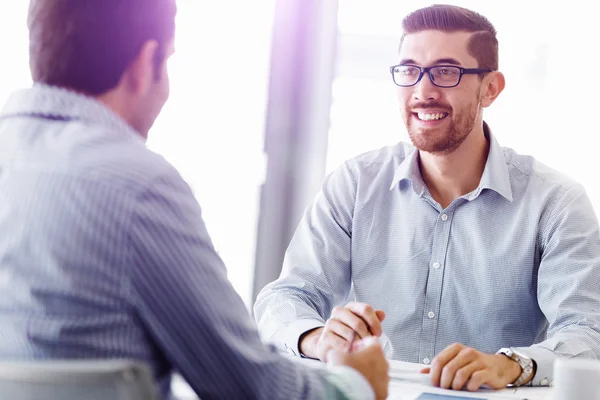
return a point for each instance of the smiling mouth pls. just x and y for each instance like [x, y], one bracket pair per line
[430, 116]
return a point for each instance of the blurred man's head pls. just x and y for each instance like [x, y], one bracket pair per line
[114, 50]
[443, 105]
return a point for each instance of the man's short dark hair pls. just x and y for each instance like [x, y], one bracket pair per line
[483, 44]
[86, 45]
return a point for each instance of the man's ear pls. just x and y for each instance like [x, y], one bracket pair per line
[493, 85]
[141, 73]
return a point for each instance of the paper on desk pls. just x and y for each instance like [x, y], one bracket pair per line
[403, 366]
[409, 372]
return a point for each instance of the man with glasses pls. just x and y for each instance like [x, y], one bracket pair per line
[468, 257]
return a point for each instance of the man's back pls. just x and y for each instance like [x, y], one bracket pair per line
[104, 254]
[67, 189]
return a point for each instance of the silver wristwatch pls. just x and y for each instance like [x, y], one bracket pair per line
[526, 363]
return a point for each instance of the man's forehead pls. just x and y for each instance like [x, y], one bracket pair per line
[432, 46]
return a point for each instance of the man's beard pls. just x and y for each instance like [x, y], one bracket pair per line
[434, 140]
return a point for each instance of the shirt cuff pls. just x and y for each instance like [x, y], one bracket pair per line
[544, 364]
[350, 382]
[293, 332]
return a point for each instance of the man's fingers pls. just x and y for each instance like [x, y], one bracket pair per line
[478, 379]
[328, 341]
[441, 360]
[350, 319]
[459, 367]
[340, 329]
[462, 376]
[368, 315]
[464, 357]
[364, 343]
[331, 339]
[380, 314]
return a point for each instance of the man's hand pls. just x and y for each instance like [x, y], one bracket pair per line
[355, 320]
[459, 367]
[366, 356]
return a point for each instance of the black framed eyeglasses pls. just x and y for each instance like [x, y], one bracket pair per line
[444, 76]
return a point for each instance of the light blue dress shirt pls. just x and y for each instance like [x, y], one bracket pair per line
[515, 263]
[104, 254]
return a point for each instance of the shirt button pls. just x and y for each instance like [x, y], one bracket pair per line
[444, 217]
[436, 265]
[426, 361]
[544, 382]
[431, 314]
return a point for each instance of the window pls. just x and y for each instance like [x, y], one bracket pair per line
[212, 127]
[15, 73]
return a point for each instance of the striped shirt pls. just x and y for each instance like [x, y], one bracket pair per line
[104, 254]
[515, 263]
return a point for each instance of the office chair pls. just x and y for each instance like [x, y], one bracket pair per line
[76, 380]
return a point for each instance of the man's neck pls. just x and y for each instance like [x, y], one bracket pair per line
[120, 105]
[449, 176]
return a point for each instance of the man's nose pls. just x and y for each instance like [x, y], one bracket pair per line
[425, 89]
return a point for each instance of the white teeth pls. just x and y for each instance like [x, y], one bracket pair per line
[429, 117]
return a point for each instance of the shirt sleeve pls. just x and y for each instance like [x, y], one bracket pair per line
[198, 321]
[316, 273]
[568, 282]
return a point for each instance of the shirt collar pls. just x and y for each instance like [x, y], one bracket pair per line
[409, 171]
[495, 174]
[58, 103]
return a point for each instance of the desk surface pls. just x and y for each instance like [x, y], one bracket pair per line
[408, 390]
[405, 390]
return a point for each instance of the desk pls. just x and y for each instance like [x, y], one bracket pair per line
[405, 390]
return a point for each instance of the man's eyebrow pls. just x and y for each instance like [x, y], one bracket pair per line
[407, 61]
[446, 61]
[439, 61]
